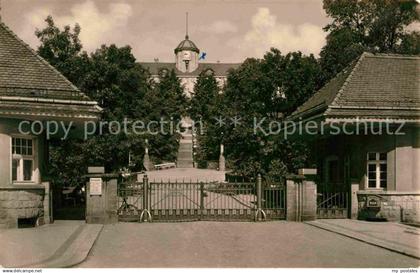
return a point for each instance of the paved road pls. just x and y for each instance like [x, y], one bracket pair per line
[216, 244]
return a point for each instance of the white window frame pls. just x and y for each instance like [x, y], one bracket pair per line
[377, 162]
[21, 158]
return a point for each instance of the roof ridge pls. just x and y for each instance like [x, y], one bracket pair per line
[152, 62]
[392, 55]
[341, 90]
[220, 63]
[42, 60]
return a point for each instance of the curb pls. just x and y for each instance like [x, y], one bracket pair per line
[74, 250]
[367, 239]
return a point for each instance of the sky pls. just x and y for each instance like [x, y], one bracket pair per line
[227, 30]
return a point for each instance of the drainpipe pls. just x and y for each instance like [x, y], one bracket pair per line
[395, 162]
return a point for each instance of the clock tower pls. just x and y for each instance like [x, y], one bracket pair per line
[186, 54]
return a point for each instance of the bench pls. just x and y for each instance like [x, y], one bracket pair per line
[165, 166]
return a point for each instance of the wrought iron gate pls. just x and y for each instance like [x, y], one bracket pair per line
[332, 205]
[193, 201]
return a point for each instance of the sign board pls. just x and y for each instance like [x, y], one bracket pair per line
[373, 202]
[96, 170]
[307, 171]
[95, 186]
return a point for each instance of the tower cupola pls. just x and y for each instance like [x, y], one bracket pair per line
[186, 53]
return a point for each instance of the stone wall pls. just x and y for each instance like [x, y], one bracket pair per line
[18, 203]
[395, 206]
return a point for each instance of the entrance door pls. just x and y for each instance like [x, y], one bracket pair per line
[332, 194]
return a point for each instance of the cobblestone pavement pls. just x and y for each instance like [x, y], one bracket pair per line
[230, 244]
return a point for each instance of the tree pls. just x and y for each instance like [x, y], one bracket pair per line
[203, 105]
[61, 49]
[122, 87]
[374, 26]
[165, 101]
[170, 100]
[264, 90]
[298, 79]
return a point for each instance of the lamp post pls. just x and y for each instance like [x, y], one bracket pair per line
[146, 159]
[222, 161]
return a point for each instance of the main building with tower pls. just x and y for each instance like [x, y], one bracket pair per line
[188, 65]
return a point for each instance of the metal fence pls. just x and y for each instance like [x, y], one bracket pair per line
[130, 201]
[193, 201]
[332, 205]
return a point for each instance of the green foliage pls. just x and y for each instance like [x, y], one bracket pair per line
[111, 76]
[61, 48]
[267, 88]
[167, 98]
[375, 26]
[165, 101]
[204, 104]
[276, 171]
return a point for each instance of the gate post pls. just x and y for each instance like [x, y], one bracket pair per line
[301, 198]
[145, 215]
[201, 196]
[101, 196]
[259, 214]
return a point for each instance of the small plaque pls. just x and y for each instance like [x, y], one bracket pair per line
[373, 202]
[95, 186]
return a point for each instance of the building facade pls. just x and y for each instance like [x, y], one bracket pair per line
[32, 93]
[369, 146]
[188, 66]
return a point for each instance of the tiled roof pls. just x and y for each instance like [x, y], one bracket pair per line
[220, 69]
[24, 74]
[375, 86]
[48, 111]
[186, 44]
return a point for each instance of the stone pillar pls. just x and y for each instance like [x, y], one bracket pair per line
[309, 204]
[354, 204]
[47, 203]
[101, 198]
[292, 198]
[222, 163]
[301, 198]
